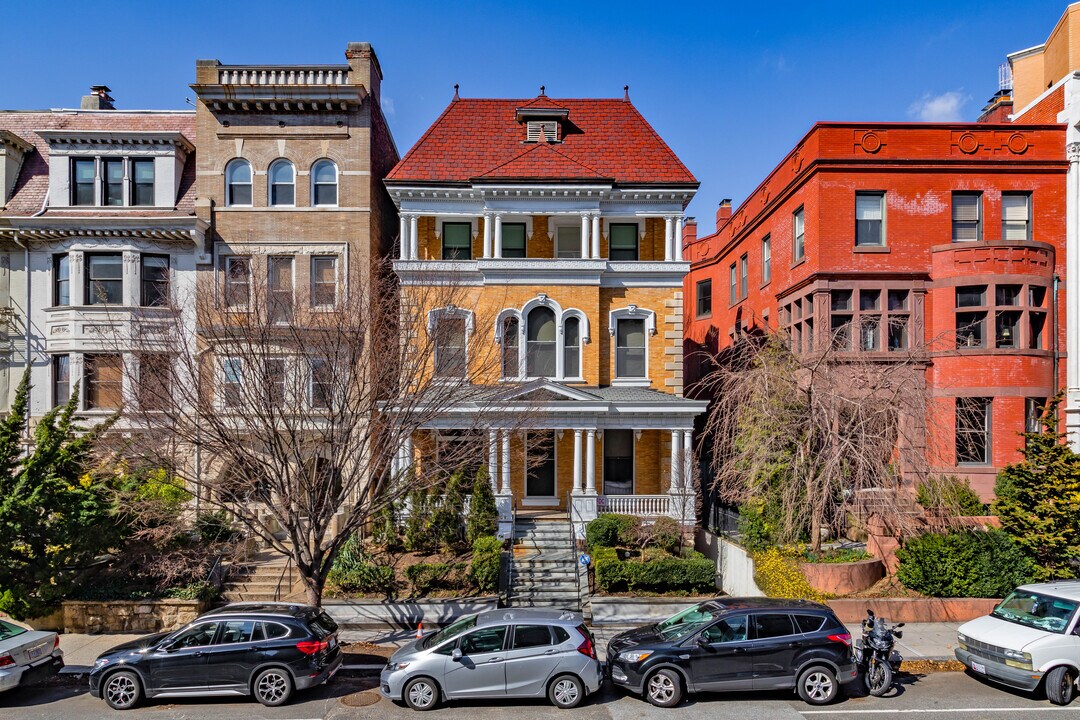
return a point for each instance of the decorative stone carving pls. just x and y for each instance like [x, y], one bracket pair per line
[870, 142]
[1017, 143]
[1072, 152]
[967, 143]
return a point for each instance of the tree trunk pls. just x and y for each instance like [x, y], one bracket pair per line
[313, 590]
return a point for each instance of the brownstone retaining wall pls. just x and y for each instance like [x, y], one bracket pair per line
[129, 616]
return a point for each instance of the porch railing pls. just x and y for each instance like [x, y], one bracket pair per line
[644, 506]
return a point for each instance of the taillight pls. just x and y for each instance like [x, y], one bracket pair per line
[586, 648]
[312, 647]
[56, 642]
[842, 638]
[6, 660]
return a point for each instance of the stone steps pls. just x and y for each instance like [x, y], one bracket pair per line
[544, 571]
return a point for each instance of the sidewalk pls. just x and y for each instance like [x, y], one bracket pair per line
[921, 641]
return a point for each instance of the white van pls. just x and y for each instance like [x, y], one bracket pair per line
[1033, 634]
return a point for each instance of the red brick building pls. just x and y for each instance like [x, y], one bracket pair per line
[945, 239]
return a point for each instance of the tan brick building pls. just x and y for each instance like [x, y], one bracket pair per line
[558, 223]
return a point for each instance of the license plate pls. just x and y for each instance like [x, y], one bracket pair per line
[34, 653]
[978, 667]
[333, 642]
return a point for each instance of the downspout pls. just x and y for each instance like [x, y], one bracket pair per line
[26, 306]
[1056, 384]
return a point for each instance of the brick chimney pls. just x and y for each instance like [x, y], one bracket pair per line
[689, 231]
[723, 213]
[98, 99]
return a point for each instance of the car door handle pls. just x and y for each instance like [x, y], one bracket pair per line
[198, 653]
[492, 660]
[552, 652]
[739, 650]
[257, 647]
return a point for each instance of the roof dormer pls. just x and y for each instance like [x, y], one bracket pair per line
[12, 151]
[543, 119]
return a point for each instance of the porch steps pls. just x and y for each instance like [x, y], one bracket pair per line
[259, 578]
[543, 572]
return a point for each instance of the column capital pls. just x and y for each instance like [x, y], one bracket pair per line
[1072, 152]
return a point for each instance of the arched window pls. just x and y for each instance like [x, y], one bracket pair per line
[238, 183]
[324, 190]
[540, 355]
[511, 344]
[572, 348]
[282, 183]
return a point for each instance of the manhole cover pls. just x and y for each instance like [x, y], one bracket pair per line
[361, 699]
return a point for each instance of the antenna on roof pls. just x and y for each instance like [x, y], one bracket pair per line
[188, 101]
[456, 96]
[541, 89]
[626, 92]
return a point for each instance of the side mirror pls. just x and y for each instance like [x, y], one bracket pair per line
[456, 655]
[869, 612]
[1076, 630]
[899, 625]
[702, 640]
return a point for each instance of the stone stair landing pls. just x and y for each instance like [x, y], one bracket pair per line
[543, 572]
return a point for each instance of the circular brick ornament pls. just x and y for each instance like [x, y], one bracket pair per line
[870, 142]
[1018, 143]
[968, 143]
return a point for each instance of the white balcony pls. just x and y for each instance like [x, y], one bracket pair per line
[109, 328]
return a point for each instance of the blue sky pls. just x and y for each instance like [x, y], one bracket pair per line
[730, 86]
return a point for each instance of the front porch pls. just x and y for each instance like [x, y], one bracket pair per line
[576, 452]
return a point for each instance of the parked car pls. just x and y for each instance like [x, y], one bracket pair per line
[736, 644]
[1031, 638]
[27, 655]
[268, 650]
[517, 653]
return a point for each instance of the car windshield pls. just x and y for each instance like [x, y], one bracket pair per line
[7, 630]
[1026, 607]
[451, 631]
[683, 623]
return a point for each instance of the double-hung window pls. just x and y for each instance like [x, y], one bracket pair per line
[798, 227]
[61, 376]
[281, 289]
[142, 181]
[232, 378]
[630, 348]
[155, 280]
[112, 181]
[104, 279]
[155, 381]
[744, 276]
[83, 173]
[513, 240]
[61, 280]
[104, 381]
[1015, 216]
[733, 285]
[237, 282]
[572, 347]
[282, 183]
[324, 280]
[540, 347]
[324, 184]
[704, 298]
[456, 241]
[623, 241]
[870, 219]
[973, 423]
[450, 348]
[568, 241]
[966, 217]
[766, 260]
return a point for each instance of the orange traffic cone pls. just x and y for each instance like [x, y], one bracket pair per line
[420, 629]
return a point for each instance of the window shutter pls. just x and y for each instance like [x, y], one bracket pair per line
[538, 130]
[1015, 215]
[966, 217]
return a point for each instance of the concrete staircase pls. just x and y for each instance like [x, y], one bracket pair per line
[543, 572]
[263, 576]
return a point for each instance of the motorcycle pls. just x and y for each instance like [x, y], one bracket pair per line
[874, 653]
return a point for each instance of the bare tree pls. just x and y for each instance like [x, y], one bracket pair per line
[293, 415]
[822, 434]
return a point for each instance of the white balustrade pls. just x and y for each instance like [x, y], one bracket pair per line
[283, 76]
[643, 506]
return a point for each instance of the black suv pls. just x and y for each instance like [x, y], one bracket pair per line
[263, 649]
[736, 644]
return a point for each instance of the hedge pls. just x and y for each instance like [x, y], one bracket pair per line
[484, 571]
[659, 575]
[970, 563]
[610, 530]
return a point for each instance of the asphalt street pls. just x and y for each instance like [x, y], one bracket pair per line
[937, 696]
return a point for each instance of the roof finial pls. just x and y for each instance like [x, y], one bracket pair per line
[541, 90]
[626, 93]
[456, 96]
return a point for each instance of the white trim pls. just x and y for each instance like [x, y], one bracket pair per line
[541, 500]
[432, 322]
[633, 458]
[631, 312]
[270, 183]
[228, 184]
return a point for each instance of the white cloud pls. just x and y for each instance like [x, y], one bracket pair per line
[387, 105]
[946, 107]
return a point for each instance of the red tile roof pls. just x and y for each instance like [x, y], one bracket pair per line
[477, 139]
[32, 185]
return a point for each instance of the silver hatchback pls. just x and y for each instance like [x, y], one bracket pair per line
[518, 653]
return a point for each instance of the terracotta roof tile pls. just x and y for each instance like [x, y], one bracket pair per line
[477, 138]
[32, 184]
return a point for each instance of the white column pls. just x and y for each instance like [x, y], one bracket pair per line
[577, 461]
[590, 462]
[687, 460]
[493, 460]
[498, 235]
[596, 236]
[414, 239]
[403, 238]
[677, 240]
[487, 235]
[1071, 298]
[668, 232]
[505, 437]
[584, 236]
[676, 476]
[408, 453]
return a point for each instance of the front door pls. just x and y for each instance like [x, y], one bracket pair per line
[234, 656]
[723, 661]
[540, 467]
[481, 669]
[181, 664]
[773, 651]
[531, 660]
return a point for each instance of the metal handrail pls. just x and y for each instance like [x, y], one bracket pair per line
[573, 549]
[286, 569]
[510, 560]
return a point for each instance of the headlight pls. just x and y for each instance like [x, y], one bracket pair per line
[394, 666]
[1018, 659]
[100, 663]
[961, 640]
[633, 656]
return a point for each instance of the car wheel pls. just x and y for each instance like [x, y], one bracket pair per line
[122, 690]
[421, 694]
[1060, 686]
[273, 687]
[566, 692]
[817, 685]
[664, 688]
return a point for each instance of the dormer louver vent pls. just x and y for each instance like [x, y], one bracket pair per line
[546, 130]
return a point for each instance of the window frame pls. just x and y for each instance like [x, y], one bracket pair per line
[566, 348]
[93, 385]
[633, 461]
[455, 252]
[524, 250]
[703, 301]
[744, 276]
[798, 235]
[231, 382]
[164, 397]
[89, 280]
[621, 226]
[143, 282]
[75, 183]
[987, 431]
[558, 250]
[231, 184]
[1028, 222]
[58, 282]
[766, 260]
[107, 185]
[315, 183]
[555, 343]
[272, 185]
[316, 283]
[134, 184]
[618, 374]
[978, 196]
[440, 371]
[881, 234]
[280, 299]
[230, 283]
[57, 367]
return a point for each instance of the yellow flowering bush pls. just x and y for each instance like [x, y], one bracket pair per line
[776, 571]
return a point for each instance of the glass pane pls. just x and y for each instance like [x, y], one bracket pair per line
[869, 299]
[155, 281]
[104, 377]
[511, 338]
[868, 206]
[61, 270]
[618, 462]
[106, 267]
[541, 325]
[770, 626]
[1007, 329]
[325, 172]
[869, 333]
[240, 172]
[513, 240]
[572, 348]
[630, 333]
[84, 171]
[326, 194]
[898, 299]
[1007, 294]
[568, 241]
[630, 362]
[281, 172]
[540, 480]
[527, 636]
[623, 240]
[143, 170]
[61, 379]
[841, 299]
[969, 329]
[971, 296]
[898, 333]
[486, 640]
[240, 194]
[283, 194]
[113, 188]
